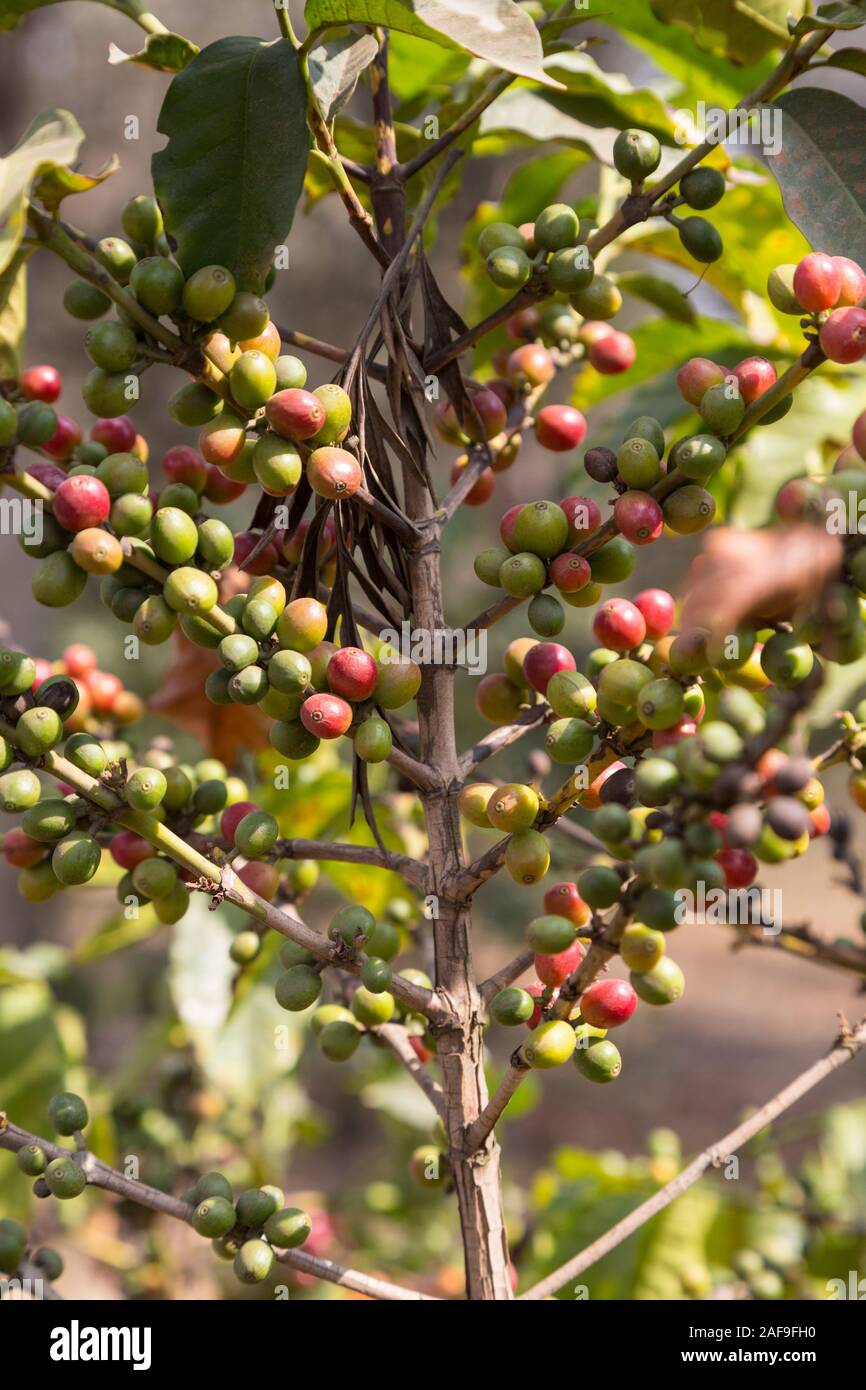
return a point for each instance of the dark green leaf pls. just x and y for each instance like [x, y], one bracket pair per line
[837, 14]
[851, 59]
[496, 30]
[821, 169]
[334, 71]
[163, 52]
[13, 11]
[661, 293]
[231, 174]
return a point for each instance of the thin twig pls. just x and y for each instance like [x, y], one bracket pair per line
[516, 1074]
[846, 1047]
[413, 870]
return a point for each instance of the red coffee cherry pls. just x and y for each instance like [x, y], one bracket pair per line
[80, 502]
[261, 877]
[559, 428]
[232, 817]
[48, 473]
[264, 562]
[740, 867]
[220, 489]
[817, 282]
[592, 331]
[78, 659]
[853, 279]
[843, 335]
[563, 900]
[333, 473]
[41, 384]
[183, 464]
[619, 625]
[118, 435]
[552, 970]
[446, 426]
[295, 413]
[128, 849]
[487, 418]
[543, 661]
[103, 688]
[570, 573]
[819, 816]
[584, 517]
[326, 716]
[696, 376]
[482, 490]
[536, 991]
[669, 738]
[531, 363]
[755, 375]
[526, 323]
[506, 527]
[352, 673]
[497, 699]
[608, 1003]
[20, 851]
[612, 353]
[657, 607]
[66, 438]
[639, 517]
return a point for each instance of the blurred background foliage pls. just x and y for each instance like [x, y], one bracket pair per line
[187, 1063]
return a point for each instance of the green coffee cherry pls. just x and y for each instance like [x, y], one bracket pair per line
[49, 1263]
[373, 740]
[64, 1178]
[246, 317]
[258, 1203]
[67, 1113]
[338, 1041]
[702, 187]
[600, 887]
[599, 1062]
[556, 227]
[36, 423]
[353, 923]
[376, 974]
[213, 1217]
[188, 590]
[546, 615]
[722, 408]
[213, 1185]
[75, 858]
[550, 1044]
[208, 293]
[253, 1262]
[569, 741]
[570, 270]
[664, 984]
[372, 1008]
[32, 1160]
[509, 267]
[256, 834]
[512, 1006]
[38, 731]
[289, 1228]
[112, 346]
[194, 405]
[497, 234]
[13, 1242]
[291, 373]
[700, 239]
[636, 154]
[298, 988]
[84, 301]
[551, 934]
[145, 788]
[117, 256]
[253, 379]
[141, 219]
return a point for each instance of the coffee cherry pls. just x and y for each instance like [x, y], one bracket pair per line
[756, 375]
[599, 887]
[208, 293]
[559, 427]
[641, 947]
[613, 353]
[600, 301]
[511, 1007]
[696, 376]
[550, 1045]
[352, 673]
[638, 463]
[569, 741]
[498, 699]
[80, 503]
[509, 267]
[194, 404]
[660, 704]
[372, 1009]
[570, 573]
[601, 464]
[786, 661]
[543, 661]
[531, 363]
[657, 607]
[37, 424]
[639, 517]
[853, 279]
[333, 473]
[702, 187]
[64, 1178]
[542, 528]
[112, 346]
[527, 857]
[145, 788]
[473, 801]
[107, 393]
[570, 270]
[298, 988]
[613, 562]
[497, 234]
[67, 1113]
[213, 1217]
[700, 239]
[374, 740]
[339, 1041]
[326, 716]
[817, 282]
[546, 615]
[688, 510]
[522, 574]
[619, 625]
[556, 227]
[512, 807]
[84, 301]
[302, 624]
[550, 935]
[608, 1003]
[288, 1228]
[75, 858]
[485, 416]
[722, 408]
[256, 834]
[190, 591]
[41, 384]
[38, 731]
[636, 154]
[843, 335]
[699, 456]
[487, 564]
[253, 379]
[664, 984]
[32, 1160]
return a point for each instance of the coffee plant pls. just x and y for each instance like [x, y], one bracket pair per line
[289, 548]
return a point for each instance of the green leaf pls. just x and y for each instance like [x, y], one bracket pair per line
[653, 290]
[162, 52]
[821, 169]
[497, 30]
[256, 1045]
[836, 14]
[13, 314]
[530, 119]
[334, 71]
[418, 69]
[13, 11]
[50, 143]
[231, 174]
[743, 30]
[851, 59]
[57, 183]
[605, 98]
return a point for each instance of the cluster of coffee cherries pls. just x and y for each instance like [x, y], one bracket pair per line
[245, 1231]
[372, 945]
[827, 293]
